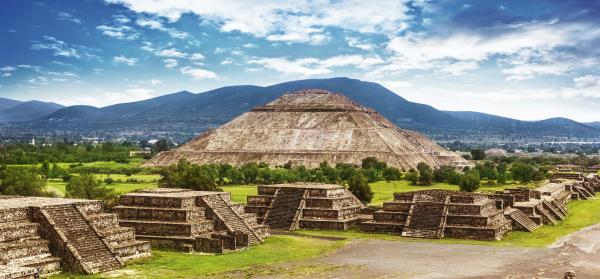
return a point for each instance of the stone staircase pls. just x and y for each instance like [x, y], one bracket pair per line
[283, 213]
[426, 219]
[95, 254]
[556, 213]
[521, 219]
[232, 219]
[584, 194]
[547, 216]
[560, 206]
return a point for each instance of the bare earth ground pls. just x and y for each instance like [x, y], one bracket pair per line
[362, 258]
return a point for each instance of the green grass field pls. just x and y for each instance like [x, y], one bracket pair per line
[252, 261]
[240, 192]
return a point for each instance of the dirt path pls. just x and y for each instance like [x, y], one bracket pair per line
[362, 258]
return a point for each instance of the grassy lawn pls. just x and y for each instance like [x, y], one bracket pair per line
[58, 186]
[581, 214]
[240, 192]
[276, 249]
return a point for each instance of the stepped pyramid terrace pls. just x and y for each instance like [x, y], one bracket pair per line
[446, 213]
[305, 205]
[189, 220]
[41, 236]
[439, 214]
[308, 127]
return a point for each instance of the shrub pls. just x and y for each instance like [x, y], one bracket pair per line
[470, 181]
[522, 172]
[412, 176]
[425, 174]
[443, 173]
[186, 175]
[86, 186]
[359, 186]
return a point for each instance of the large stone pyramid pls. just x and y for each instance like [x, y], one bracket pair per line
[306, 128]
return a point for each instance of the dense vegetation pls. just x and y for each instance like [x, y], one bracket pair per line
[21, 153]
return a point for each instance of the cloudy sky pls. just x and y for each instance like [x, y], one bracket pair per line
[523, 59]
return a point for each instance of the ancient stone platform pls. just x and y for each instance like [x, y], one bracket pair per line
[189, 220]
[41, 236]
[309, 127]
[439, 214]
[305, 205]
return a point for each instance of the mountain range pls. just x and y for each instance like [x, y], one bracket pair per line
[183, 115]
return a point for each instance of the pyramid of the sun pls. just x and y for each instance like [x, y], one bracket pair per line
[306, 128]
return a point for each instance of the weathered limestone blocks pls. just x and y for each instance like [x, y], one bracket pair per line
[189, 220]
[440, 213]
[305, 205]
[50, 234]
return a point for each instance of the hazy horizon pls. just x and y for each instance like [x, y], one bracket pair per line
[528, 61]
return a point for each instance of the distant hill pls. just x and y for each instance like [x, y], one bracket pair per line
[7, 103]
[28, 111]
[183, 115]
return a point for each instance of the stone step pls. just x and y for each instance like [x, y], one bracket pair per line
[17, 230]
[161, 214]
[523, 221]
[560, 206]
[547, 215]
[80, 234]
[554, 211]
[45, 264]
[28, 247]
[420, 233]
[132, 249]
[168, 228]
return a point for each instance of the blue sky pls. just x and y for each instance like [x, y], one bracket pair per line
[523, 59]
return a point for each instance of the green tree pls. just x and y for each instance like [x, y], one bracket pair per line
[443, 173]
[86, 186]
[359, 186]
[390, 174]
[522, 172]
[45, 169]
[425, 174]
[477, 154]
[470, 181]
[22, 182]
[189, 176]
[412, 176]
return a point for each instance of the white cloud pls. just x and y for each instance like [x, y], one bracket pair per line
[196, 56]
[61, 48]
[158, 25]
[198, 73]
[314, 66]
[171, 52]
[170, 63]
[227, 61]
[587, 81]
[122, 32]
[355, 42]
[527, 49]
[68, 17]
[6, 74]
[249, 45]
[529, 71]
[155, 82]
[289, 21]
[125, 60]
[121, 19]
[8, 68]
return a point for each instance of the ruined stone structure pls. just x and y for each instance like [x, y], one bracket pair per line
[305, 205]
[309, 127]
[189, 220]
[439, 214]
[40, 236]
